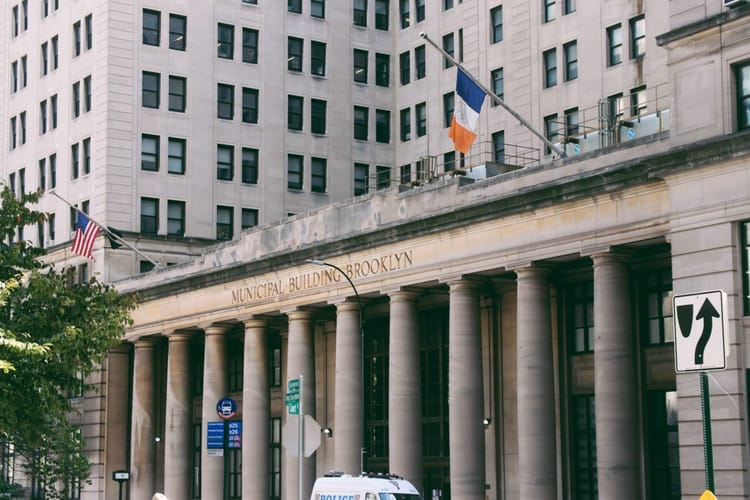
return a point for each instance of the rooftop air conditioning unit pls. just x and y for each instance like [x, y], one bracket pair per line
[733, 3]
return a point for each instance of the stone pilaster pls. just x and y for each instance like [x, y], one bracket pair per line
[214, 388]
[348, 402]
[537, 450]
[465, 393]
[117, 416]
[256, 412]
[177, 428]
[142, 438]
[405, 389]
[615, 394]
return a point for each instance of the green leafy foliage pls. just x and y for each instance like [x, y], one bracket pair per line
[53, 333]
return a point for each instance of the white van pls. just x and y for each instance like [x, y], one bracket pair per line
[336, 486]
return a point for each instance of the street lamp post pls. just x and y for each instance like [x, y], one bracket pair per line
[319, 262]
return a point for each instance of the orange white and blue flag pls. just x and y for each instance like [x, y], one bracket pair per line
[469, 99]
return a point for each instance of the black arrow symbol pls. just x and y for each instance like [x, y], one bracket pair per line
[707, 313]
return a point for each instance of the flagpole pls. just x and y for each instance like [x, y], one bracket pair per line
[110, 233]
[499, 101]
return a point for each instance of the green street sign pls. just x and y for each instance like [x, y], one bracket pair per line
[292, 386]
[291, 397]
[292, 407]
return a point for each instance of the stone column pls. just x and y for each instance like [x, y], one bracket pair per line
[143, 445]
[116, 393]
[405, 389]
[537, 452]
[214, 388]
[177, 428]
[465, 393]
[300, 361]
[256, 412]
[615, 395]
[348, 402]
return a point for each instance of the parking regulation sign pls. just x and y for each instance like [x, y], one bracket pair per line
[700, 331]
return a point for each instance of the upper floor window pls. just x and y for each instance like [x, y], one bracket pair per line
[150, 152]
[224, 223]
[570, 56]
[294, 53]
[150, 92]
[177, 32]
[318, 116]
[294, 112]
[225, 101]
[550, 67]
[359, 13]
[249, 105]
[614, 45]
[175, 218]
[448, 105]
[249, 165]
[318, 58]
[318, 174]
[638, 104]
[249, 218]
[382, 126]
[404, 67]
[657, 306]
[498, 84]
[176, 156]
[405, 124]
[88, 23]
[548, 12]
[77, 39]
[404, 13]
[382, 70]
[225, 41]
[580, 313]
[419, 4]
[295, 172]
[742, 84]
[381, 14]
[419, 62]
[318, 8]
[294, 6]
[448, 46]
[250, 45]
[151, 26]
[177, 93]
[361, 175]
[745, 242]
[420, 115]
[149, 215]
[551, 129]
[498, 146]
[360, 66]
[637, 36]
[224, 162]
[496, 24]
[361, 118]
[447, 4]
[569, 6]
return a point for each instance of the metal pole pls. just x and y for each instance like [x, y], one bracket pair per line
[707, 441]
[300, 439]
[119, 493]
[497, 99]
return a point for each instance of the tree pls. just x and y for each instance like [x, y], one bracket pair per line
[54, 332]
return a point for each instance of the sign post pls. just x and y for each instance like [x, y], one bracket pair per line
[701, 344]
[226, 408]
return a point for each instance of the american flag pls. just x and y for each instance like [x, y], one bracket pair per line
[86, 233]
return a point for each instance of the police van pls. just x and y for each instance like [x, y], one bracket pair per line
[336, 486]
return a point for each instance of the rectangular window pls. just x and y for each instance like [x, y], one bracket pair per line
[449, 161]
[294, 6]
[150, 152]
[51, 227]
[250, 45]
[569, 6]
[87, 94]
[571, 123]
[419, 4]
[614, 45]
[275, 450]
[405, 172]
[318, 58]
[88, 23]
[448, 105]
[405, 122]
[294, 112]
[318, 8]
[249, 105]
[75, 161]
[53, 170]
[382, 70]
[382, 14]
[175, 218]
[548, 10]
[151, 27]
[53, 112]
[498, 146]
[580, 300]
[177, 32]
[382, 177]
[419, 62]
[448, 46]
[249, 218]
[616, 108]
[360, 65]
[225, 101]
[420, 114]
[76, 99]
[583, 447]
[224, 223]
[150, 93]
[638, 105]
[176, 151]
[149, 215]
[551, 129]
[177, 93]
[657, 306]
[24, 72]
[225, 41]
[742, 84]
[15, 21]
[14, 77]
[294, 53]
[25, 13]
[404, 13]
[361, 175]
[43, 174]
[361, 118]
[318, 111]
[447, 4]
[43, 117]
[637, 36]
[55, 52]
[249, 165]
[13, 133]
[45, 57]
[550, 67]
[294, 171]
[359, 13]
[496, 24]
[383, 126]
[87, 156]
[405, 67]
[570, 54]
[498, 84]
[77, 39]
[224, 162]
[318, 175]
[663, 441]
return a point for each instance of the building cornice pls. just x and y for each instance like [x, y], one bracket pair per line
[694, 28]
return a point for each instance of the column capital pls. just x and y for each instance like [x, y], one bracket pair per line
[179, 336]
[533, 270]
[347, 305]
[254, 322]
[215, 329]
[299, 315]
[145, 342]
[404, 294]
[466, 281]
[610, 256]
